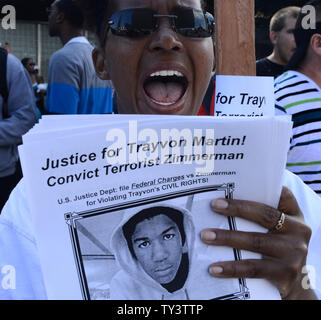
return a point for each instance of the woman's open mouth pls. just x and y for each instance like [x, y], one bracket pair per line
[165, 90]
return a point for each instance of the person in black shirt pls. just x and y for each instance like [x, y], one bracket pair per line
[281, 34]
[266, 67]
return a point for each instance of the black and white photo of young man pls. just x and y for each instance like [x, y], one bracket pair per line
[155, 251]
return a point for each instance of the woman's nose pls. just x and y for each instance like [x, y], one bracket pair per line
[165, 38]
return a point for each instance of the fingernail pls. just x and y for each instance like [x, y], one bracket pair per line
[219, 204]
[216, 270]
[208, 235]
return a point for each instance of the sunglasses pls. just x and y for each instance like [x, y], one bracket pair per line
[139, 22]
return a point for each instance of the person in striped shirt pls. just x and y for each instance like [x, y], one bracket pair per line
[298, 93]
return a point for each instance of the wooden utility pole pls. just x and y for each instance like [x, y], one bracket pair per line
[235, 37]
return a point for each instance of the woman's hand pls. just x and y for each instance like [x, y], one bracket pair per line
[284, 251]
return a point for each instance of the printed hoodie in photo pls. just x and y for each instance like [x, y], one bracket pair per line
[133, 283]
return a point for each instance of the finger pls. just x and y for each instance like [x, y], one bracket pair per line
[252, 268]
[288, 203]
[260, 213]
[250, 241]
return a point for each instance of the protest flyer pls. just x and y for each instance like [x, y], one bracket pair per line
[122, 204]
[244, 96]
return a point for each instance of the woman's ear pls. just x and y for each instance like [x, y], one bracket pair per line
[99, 64]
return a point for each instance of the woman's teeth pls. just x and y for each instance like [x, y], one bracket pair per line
[167, 73]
